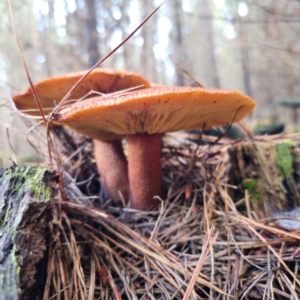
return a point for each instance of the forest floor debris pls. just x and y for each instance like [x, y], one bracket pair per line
[197, 244]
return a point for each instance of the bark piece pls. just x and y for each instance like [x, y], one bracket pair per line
[25, 211]
[271, 174]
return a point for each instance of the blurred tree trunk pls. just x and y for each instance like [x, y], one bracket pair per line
[178, 42]
[92, 39]
[147, 57]
[244, 50]
[210, 40]
[45, 38]
[272, 34]
[125, 22]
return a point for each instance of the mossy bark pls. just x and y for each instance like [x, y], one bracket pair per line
[271, 174]
[25, 212]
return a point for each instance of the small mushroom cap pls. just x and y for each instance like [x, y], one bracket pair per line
[51, 91]
[157, 110]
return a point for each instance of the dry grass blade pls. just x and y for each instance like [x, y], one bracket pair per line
[38, 103]
[192, 79]
[269, 228]
[206, 248]
[92, 278]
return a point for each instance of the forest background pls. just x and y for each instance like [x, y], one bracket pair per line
[252, 46]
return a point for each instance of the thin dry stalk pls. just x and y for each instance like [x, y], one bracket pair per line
[206, 248]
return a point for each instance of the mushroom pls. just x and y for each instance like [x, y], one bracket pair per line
[109, 155]
[144, 115]
[52, 90]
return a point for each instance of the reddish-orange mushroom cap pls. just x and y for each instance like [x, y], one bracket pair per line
[51, 91]
[157, 110]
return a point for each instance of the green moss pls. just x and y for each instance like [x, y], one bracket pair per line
[13, 257]
[6, 215]
[30, 178]
[256, 196]
[18, 271]
[284, 159]
[251, 186]
[40, 190]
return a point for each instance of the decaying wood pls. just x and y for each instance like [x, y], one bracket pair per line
[25, 211]
[271, 174]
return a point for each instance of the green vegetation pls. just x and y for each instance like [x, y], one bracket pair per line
[251, 186]
[284, 159]
[31, 177]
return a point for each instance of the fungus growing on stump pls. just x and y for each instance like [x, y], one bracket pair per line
[109, 155]
[144, 115]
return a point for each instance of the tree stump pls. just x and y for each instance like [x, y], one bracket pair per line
[25, 212]
[271, 174]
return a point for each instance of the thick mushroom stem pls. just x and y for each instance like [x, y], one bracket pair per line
[144, 169]
[112, 166]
